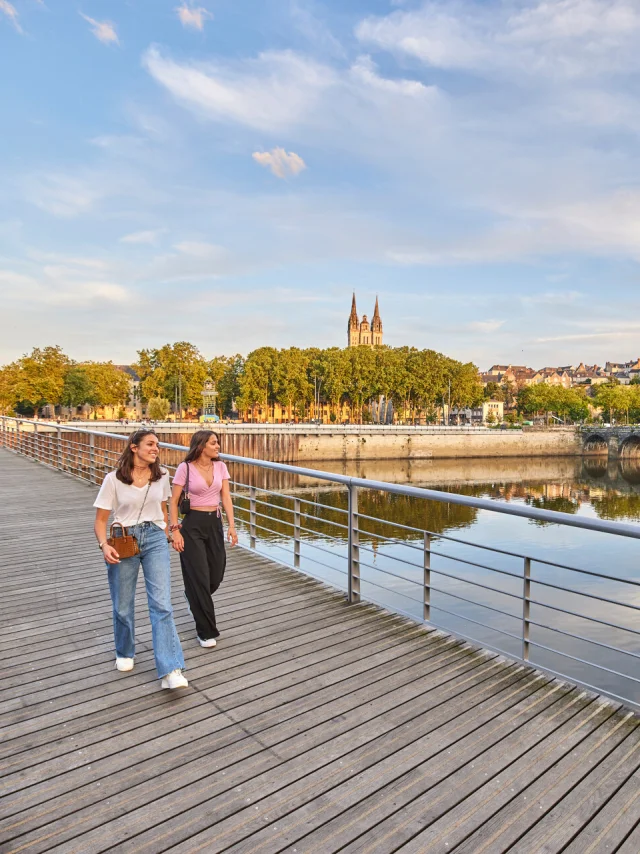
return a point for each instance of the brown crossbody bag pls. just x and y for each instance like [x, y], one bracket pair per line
[126, 544]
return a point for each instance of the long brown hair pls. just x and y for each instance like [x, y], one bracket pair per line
[198, 441]
[124, 468]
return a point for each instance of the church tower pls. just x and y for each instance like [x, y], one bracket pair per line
[353, 327]
[376, 327]
[365, 332]
[362, 333]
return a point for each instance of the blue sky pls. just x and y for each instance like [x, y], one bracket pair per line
[229, 171]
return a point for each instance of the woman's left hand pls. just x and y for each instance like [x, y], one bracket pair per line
[232, 536]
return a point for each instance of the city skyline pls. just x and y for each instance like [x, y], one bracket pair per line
[228, 176]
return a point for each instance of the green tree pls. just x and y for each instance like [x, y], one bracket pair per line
[290, 378]
[78, 388]
[256, 382]
[8, 383]
[611, 397]
[335, 378]
[172, 371]
[493, 391]
[229, 385]
[39, 377]
[111, 384]
[466, 388]
[361, 378]
[158, 408]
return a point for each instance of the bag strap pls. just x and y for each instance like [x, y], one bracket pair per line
[186, 485]
[144, 500]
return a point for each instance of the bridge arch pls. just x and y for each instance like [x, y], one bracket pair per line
[630, 447]
[595, 443]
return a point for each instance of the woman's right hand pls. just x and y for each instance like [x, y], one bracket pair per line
[178, 541]
[110, 554]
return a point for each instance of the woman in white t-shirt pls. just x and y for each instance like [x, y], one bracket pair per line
[137, 493]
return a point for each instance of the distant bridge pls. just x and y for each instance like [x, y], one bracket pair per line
[616, 441]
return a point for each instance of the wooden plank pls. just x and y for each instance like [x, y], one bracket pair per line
[448, 797]
[164, 770]
[308, 767]
[609, 827]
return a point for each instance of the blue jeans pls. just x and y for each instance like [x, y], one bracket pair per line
[123, 576]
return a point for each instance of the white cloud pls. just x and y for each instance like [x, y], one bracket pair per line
[15, 280]
[273, 92]
[104, 31]
[561, 38]
[87, 293]
[625, 331]
[199, 249]
[485, 326]
[149, 237]
[62, 195]
[61, 286]
[281, 164]
[193, 16]
[11, 12]
[364, 70]
[552, 298]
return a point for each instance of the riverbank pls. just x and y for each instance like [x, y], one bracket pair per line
[309, 442]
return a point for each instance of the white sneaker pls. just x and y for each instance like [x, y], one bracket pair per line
[211, 642]
[175, 679]
[124, 664]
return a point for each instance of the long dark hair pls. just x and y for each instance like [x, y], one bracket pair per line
[124, 469]
[198, 441]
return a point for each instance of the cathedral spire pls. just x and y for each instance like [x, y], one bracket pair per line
[376, 322]
[353, 317]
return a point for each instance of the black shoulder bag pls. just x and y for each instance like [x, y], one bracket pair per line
[185, 502]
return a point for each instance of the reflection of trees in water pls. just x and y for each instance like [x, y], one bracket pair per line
[558, 503]
[613, 505]
[389, 512]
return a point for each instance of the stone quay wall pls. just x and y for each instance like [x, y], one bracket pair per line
[307, 442]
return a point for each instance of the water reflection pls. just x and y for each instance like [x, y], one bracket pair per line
[391, 554]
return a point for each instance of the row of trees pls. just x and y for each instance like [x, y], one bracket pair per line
[417, 381]
[618, 402]
[48, 376]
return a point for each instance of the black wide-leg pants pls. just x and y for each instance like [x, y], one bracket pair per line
[203, 563]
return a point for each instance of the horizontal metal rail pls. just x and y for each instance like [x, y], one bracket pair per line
[289, 530]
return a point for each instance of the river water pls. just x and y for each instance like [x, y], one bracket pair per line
[392, 542]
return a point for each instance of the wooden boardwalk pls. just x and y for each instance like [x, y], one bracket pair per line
[314, 726]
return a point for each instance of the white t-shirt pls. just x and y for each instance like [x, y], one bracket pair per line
[126, 500]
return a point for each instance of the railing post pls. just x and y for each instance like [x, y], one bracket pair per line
[252, 517]
[59, 442]
[36, 455]
[92, 458]
[296, 533]
[4, 432]
[526, 608]
[353, 546]
[426, 607]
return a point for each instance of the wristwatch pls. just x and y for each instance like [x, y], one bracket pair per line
[102, 545]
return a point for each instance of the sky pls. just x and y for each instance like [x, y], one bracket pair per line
[228, 172]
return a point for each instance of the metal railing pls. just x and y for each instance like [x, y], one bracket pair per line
[560, 617]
